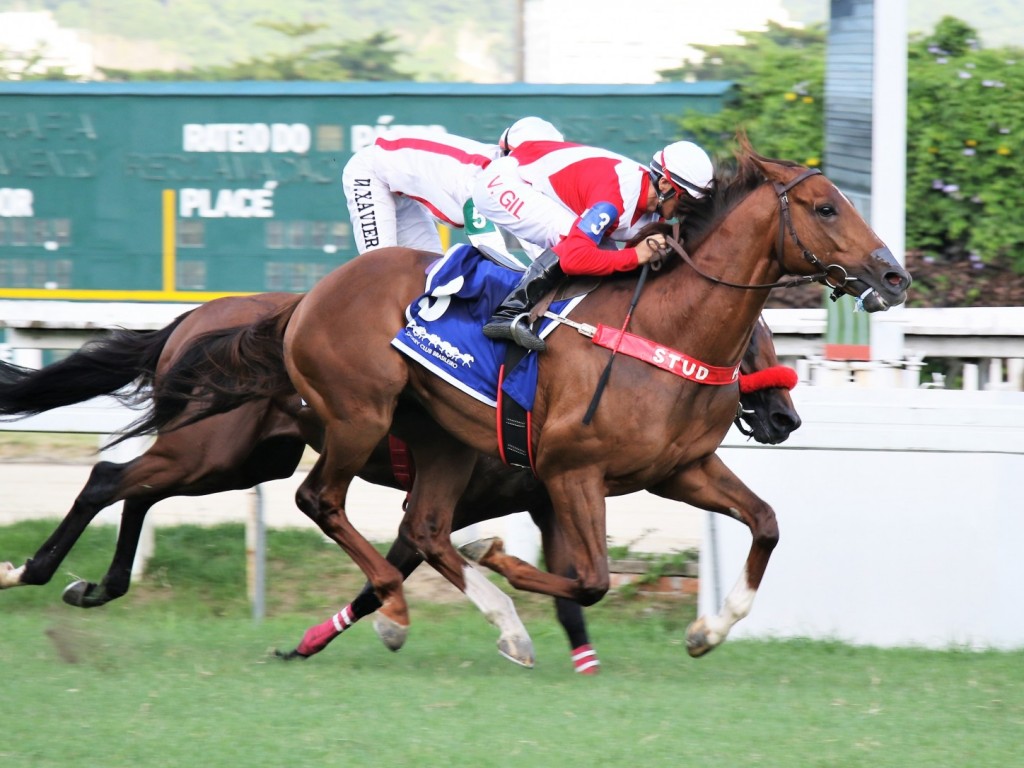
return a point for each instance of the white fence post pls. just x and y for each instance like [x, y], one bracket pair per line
[971, 378]
[1015, 373]
[256, 555]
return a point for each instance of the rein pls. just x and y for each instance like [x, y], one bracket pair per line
[785, 224]
[603, 381]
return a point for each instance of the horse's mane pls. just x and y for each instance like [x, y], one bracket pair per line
[731, 184]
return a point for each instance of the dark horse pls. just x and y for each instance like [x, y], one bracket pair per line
[652, 430]
[264, 440]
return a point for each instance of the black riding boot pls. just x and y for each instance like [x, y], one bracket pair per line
[510, 319]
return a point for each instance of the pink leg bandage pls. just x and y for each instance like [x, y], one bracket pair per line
[584, 660]
[317, 637]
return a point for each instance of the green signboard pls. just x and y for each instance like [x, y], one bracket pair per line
[179, 191]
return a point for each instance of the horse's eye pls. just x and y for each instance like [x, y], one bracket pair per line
[826, 211]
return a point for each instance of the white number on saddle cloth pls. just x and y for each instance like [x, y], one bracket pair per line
[441, 295]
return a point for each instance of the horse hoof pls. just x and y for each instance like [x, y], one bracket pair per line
[477, 550]
[390, 632]
[10, 576]
[697, 640]
[82, 594]
[518, 650]
[75, 593]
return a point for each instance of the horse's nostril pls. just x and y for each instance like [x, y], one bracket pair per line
[787, 422]
[897, 280]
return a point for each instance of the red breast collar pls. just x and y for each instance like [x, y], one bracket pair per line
[664, 357]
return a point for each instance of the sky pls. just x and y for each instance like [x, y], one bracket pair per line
[567, 45]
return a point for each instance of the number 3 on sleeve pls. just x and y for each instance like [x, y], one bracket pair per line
[597, 221]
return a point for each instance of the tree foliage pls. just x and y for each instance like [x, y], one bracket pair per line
[965, 123]
[779, 77]
[370, 59]
[25, 66]
[965, 113]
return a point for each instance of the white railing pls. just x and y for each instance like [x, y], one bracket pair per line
[898, 516]
[984, 344]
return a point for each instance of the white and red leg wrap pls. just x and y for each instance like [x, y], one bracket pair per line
[317, 637]
[585, 661]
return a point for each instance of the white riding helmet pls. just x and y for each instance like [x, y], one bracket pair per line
[684, 165]
[528, 129]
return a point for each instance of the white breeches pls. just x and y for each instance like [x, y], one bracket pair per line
[381, 218]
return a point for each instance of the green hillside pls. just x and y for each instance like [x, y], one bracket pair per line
[445, 40]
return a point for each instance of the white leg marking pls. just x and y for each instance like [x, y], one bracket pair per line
[514, 643]
[492, 602]
[737, 605]
[10, 576]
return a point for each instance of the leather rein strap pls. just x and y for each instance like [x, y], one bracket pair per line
[785, 224]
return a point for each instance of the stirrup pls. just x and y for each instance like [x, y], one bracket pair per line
[524, 336]
[498, 328]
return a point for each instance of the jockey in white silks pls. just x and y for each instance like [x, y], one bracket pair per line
[400, 187]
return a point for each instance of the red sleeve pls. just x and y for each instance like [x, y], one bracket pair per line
[578, 255]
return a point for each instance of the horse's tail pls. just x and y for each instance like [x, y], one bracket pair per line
[120, 364]
[218, 372]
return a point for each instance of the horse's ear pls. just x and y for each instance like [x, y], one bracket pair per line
[747, 156]
[765, 167]
[771, 169]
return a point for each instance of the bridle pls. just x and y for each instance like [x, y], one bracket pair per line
[743, 416]
[825, 273]
[785, 223]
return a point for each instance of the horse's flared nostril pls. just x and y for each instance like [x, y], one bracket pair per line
[899, 281]
[896, 276]
[784, 422]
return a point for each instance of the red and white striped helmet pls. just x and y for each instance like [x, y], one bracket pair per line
[685, 166]
[528, 129]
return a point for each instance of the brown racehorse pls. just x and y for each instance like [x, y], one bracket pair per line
[767, 415]
[652, 431]
[263, 441]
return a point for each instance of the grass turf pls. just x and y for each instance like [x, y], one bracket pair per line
[176, 674]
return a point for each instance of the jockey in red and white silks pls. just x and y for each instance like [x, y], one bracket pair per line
[400, 186]
[513, 190]
[617, 191]
[609, 198]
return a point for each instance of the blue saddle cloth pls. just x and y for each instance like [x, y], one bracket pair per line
[444, 335]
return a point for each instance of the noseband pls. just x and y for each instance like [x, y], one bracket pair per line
[785, 224]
